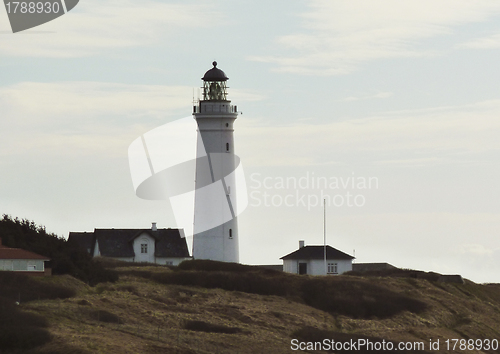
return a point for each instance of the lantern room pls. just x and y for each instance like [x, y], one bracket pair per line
[214, 84]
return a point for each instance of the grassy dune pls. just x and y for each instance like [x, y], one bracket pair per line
[208, 307]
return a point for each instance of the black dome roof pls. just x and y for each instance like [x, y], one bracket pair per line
[214, 74]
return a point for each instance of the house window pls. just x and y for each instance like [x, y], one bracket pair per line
[227, 147]
[332, 268]
[169, 263]
[144, 248]
[230, 233]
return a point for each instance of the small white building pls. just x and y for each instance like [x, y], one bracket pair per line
[310, 260]
[21, 261]
[160, 246]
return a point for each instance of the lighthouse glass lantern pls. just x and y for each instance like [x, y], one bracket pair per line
[214, 84]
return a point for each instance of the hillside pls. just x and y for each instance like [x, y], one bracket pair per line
[153, 309]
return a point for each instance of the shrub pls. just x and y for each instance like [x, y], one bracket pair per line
[129, 288]
[397, 273]
[201, 326]
[20, 287]
[110, 263]
[20, 330]
[105, 316]
[254, 283]
[214, 266]
[96, 274]
[356, 299]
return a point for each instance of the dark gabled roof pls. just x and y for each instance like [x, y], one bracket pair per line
[119, 242]
[317, 252]
[115, 242]
[84, 239]
[171, 243]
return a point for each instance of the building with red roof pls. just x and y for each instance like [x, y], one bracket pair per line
[22, 261]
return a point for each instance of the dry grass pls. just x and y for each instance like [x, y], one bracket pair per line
[349, 296]
[174, 319]
[139, 315]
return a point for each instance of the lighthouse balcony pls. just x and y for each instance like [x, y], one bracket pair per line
[214, 107]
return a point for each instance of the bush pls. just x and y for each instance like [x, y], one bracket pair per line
[20, 330]
[215, 266]
[201, 326]
[254, 283]
[357, 299]
[105, 316]
[20, 287]
[110, 263]
[96, 274]
[397, 273]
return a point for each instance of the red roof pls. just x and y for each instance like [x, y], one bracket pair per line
[18, 253]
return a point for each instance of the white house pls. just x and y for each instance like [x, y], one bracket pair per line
[21, 261]
[160, 246]
[310, 260]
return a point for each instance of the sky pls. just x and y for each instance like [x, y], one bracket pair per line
[388, 109]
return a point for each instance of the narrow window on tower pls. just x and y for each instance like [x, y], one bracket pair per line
[230, 233]
[227, 147]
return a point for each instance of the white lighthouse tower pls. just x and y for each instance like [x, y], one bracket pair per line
[215, 233]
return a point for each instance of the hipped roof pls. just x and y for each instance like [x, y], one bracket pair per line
[317, 252]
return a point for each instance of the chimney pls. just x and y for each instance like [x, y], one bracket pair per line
[153, 227]
[302, 244]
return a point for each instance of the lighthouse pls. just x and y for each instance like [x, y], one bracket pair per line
[215, 232]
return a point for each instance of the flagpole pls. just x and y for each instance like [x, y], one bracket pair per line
[324, 234]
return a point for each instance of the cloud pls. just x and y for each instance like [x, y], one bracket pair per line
[63, 117]
[475, 249]
[338, 36]
[430, 136]
[241, 95]
[489, 42]
[43, 117]
[40, 118]
[36, 104]
[369, 97]
[95, 26]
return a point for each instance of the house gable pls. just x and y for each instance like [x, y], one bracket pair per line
[144, 247]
